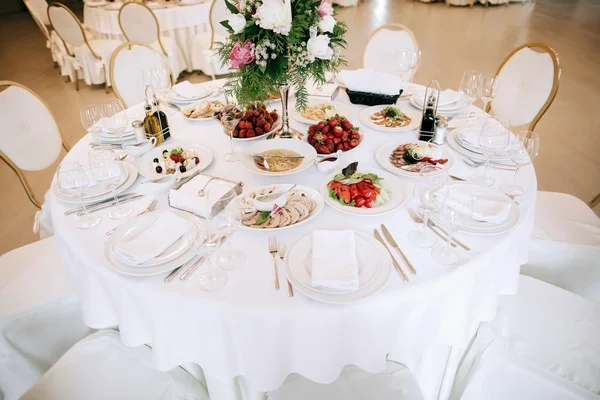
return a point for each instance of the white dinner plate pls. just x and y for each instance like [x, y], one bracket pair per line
[131, 177]
[367, 256]
[414, 115]
[397, 196]
[138, 225]
[147, 170]
[383, 158]
[158, 269]
[451, 139]
[310, 192]
[375, 286]
[299, 146]
[485, 228]
[340, 109]
[191, 106]
[455, 108]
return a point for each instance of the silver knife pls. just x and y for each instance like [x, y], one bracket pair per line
[390, 239]
[174, 273]
[432, 224]
[113, 203]
[396, 265]
[190, 270]
[120, 197]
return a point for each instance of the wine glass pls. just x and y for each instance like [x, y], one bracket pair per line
[73, 182]
[522, 151]
[402, 59]
[423, 196]
[91, 116]
[415, 63]
[493, 139]
[110, 172]
[114, 117]
[229, 116]
[227, 221]
[487, 88]
[455, 209]
[468, 88]
[159, 80]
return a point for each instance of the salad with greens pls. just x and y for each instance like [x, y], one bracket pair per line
[356, 189]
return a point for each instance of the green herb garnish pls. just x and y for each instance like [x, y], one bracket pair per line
[263, 217]
[350, 170]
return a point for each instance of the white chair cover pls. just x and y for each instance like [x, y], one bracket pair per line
[525, 83]
[40, 315]
[383, 44]
[67, 26]
[101, 367]
[542, 345]
[565, 249]
[29, 134]
[39, 10]
[204, 58]
[127, 66]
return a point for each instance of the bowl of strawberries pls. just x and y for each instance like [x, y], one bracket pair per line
[333, 134]
[256, 122]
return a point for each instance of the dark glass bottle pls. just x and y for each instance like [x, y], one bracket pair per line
[162, 118]
[428, 122]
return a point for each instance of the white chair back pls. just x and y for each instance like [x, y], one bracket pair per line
[218, 13]
[127, 63]
[382, 45]
[66, 24]
[39, 12]
[528, 81]
[139, 24]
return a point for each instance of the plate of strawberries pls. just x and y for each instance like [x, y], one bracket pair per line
[333, 134]
[256, 123]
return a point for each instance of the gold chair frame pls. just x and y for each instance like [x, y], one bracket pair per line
[39, 23]
[212, 28]
[394, 26]
[18, 171]
[594, 202]
[155, 20]
[555, 83]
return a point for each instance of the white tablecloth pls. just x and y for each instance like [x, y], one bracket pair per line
[250, 329]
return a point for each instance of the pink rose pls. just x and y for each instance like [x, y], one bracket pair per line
[242, 55]
[325, 8]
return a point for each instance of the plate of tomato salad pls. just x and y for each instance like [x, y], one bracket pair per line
[363, 193]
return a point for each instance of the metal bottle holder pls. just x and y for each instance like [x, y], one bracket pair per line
[428, 92]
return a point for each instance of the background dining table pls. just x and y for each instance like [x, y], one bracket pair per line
[248, 329]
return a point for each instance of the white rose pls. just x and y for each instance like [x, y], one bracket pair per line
[273, 15]
[326, 23]
[237, 22]
[318, 47]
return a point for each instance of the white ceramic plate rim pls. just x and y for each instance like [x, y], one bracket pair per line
[309, 159]
[451, 139]
[414, 115]
[204, 153]
[442, 111]
[382, 155]
[340, 108]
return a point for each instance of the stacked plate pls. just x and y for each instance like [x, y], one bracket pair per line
[200, 93]
[455, 104]
[177, 254]
[98, 192]
[462, 141]
[374, 267]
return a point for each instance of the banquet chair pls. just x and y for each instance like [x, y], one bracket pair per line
[543, 344]
[29, 144]
[90, 57]
[101, 367]
[528, 82]
[127, 63]
[565, 247]
[204, 55]
[40, 315]
[383, 43]
[139, 24]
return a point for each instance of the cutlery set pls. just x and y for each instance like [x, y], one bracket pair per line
[395, 246]
[278, 249]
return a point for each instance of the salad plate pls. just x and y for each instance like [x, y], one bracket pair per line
[390, 118]
[301, 205]
[374, 286]
[319, 109]
[391, 157]
[361, 193]
[279, 150]
[169, 157]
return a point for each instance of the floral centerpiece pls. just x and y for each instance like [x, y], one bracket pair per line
[275, 44]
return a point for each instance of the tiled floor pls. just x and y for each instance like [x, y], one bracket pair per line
[453, 40]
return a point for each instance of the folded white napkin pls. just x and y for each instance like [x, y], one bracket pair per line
[370, 81]
[65, 184]
[484, 209]
[447, 97]
[186, 197]
[334, 263]
[105, 123]
[187, 90]
[150, 243]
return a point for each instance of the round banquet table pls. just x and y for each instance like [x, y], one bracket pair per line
[249, 329]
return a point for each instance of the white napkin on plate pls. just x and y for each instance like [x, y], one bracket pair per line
[187, 90]
[150, 243]
[186, 197]
[370, 81]
[484, 208]
[447, 97]
[72, 185]
[334, 263]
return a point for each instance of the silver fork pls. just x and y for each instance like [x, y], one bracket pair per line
[148, 209]
[273, 251]
[282, 249]
[417, 218]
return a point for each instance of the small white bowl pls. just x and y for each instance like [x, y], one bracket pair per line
[280, 200]
[327, 167]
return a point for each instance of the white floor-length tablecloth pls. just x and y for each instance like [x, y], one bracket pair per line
[250, 329]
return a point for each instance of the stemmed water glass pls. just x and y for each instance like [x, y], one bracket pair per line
[109, 172]
[229, 117]
[402, 61]
[91, 116]
[423, 196]
[454, 210]
[493, 139]
[114, 117]
[74, 182]
[415, 63]
[487, 88]
[469, 84]
[159, 80]
[522, 151]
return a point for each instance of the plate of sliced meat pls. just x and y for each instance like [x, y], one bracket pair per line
[414, 159]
